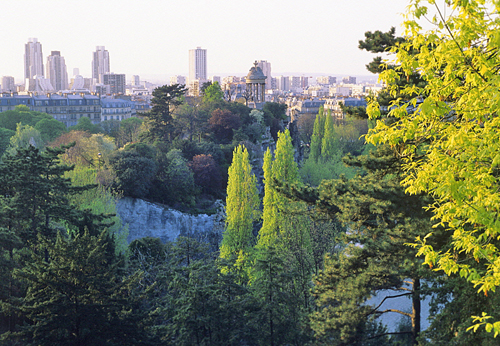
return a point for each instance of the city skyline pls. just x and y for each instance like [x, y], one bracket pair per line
[151, 38]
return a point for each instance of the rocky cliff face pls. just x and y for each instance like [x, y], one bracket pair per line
[145, 219]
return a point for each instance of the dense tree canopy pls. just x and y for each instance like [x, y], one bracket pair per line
[448, 132]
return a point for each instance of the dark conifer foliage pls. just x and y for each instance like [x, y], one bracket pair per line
[76, 297]
[380, 219]
[160, 119]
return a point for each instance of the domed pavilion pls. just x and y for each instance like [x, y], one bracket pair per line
[256, 84]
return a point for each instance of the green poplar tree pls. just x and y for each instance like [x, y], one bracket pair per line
[242, 209]
[329, 145]
[268, 234]
[283, 169]
[317, 136]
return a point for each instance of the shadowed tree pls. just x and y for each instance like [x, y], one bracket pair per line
[160, 122]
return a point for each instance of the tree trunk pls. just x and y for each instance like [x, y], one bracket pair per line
[416, 307]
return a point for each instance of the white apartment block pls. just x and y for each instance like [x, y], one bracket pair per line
[198, 64]
[33, 59]
[266, 70]
[214, 79]
[8, 84]
[178, 80]
[136, 81]
[326, 80]
[57, 72]
[100, 64]
[340, 91]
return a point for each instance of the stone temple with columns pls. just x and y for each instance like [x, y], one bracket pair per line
[255, 87]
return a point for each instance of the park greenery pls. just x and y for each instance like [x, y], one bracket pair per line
[318, 220]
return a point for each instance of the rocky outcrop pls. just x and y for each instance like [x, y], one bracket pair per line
[145, 219]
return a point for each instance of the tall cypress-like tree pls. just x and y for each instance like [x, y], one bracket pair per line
[329, 143]
[268, 234]
[242, 209]
[317, 136]
[282, 169]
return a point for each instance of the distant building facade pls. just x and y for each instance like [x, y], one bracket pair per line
[68, 108]
[33, 59]
[115, 109]
[115, 81]
[326, 80]
[349, 80]
[266, 70]
[198, 64]
[178, 80]
[80, 83]
[57, 72]
[8, 84]
[136, 81]
[100, 64]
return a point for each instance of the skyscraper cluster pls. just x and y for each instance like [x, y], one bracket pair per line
[56, 76]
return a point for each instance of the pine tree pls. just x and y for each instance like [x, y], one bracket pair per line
[160, 121]
[34, 200]
[34, 192]
[381, 219]
[76, 297]
[242, 209]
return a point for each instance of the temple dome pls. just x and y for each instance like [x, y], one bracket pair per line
[255, 75]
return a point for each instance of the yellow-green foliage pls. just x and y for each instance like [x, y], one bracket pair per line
[268, 232]
[284, 169]
[450, 142]
[317, 136]
[98, 200]
[242, 209]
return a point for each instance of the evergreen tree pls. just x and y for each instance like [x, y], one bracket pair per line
[76, 297]
[242, 209]
[160, 121]
[381, 219]
[278, 318]
[35, 200]
[34, 192]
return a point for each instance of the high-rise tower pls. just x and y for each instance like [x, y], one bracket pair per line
[197, 64]
[8, 84]
[56, 71]
[100, 63]
[266, 69]
[33, 59]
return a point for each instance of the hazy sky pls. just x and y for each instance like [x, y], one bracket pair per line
[151, 38]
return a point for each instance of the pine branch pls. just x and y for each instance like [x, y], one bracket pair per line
[388, 333]
[395, 310]
[383, 300]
